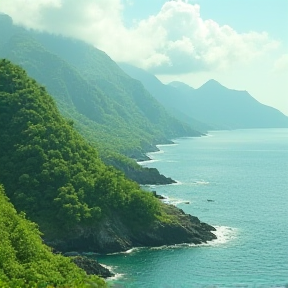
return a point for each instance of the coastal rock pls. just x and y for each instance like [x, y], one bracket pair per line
[112, 235]
[158, 196]
[91, 266]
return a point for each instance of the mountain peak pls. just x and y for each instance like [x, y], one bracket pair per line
[212, 84]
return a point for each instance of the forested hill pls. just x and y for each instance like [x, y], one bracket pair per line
[47, 169]
[52, 174]
[108, 107]
[26, 262]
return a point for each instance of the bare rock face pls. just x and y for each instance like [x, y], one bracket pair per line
[113, 235]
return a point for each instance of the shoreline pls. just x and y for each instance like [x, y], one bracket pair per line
[225, 235]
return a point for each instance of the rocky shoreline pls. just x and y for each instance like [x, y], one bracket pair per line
[113, 235]
[92, 266]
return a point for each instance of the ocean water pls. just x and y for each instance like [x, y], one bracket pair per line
[245, 174]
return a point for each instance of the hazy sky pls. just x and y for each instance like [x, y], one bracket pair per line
[243, 44]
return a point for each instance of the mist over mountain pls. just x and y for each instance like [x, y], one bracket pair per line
[228, 108]
[166, 95]
[108, 107]
[212, 103]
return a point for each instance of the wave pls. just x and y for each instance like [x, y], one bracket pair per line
[165, 145]
[116, 276]
[174, 201]
[142, 163]
[155, 152]
[200, 182]
[193, 183]
[112, 269]
[177, 183]
[224, 234]
[134, 249]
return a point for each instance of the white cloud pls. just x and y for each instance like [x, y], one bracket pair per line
[281, 64]
[176, 40]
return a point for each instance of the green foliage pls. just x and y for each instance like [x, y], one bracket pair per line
[110, 109]
[49, 171]
[26, 262]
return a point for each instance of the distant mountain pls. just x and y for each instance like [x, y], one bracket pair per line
[212, 103]
[181, 86]
[166, 95]
[227, 108]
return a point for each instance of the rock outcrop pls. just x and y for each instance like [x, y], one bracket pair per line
[113, 235]
[91, 266]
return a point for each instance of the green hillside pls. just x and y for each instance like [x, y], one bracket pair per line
[48, 169]
[111, 110]
[26, 262]
[52, 174]
[85, 80]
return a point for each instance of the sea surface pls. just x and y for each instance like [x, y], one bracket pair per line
[245, 175]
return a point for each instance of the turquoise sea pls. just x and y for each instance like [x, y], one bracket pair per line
[245, 174]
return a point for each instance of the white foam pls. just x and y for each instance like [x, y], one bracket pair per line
[112, 270]
[201, 182]
[174, 201]
[142, 163]
[177, 183]
[224, 234]
[134, 249]
[116, 276]
[193, 183]
[155, 152]
[131, 250]
[165, 145]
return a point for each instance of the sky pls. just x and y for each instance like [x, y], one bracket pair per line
[243, 44]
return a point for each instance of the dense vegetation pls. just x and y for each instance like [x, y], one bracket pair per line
[26, 262]
[50, 172]
[110, 109]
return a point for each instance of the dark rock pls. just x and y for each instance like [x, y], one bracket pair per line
[140, 174]
[91, 266]
[158, 196]
[112, 234]
[71, 254]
